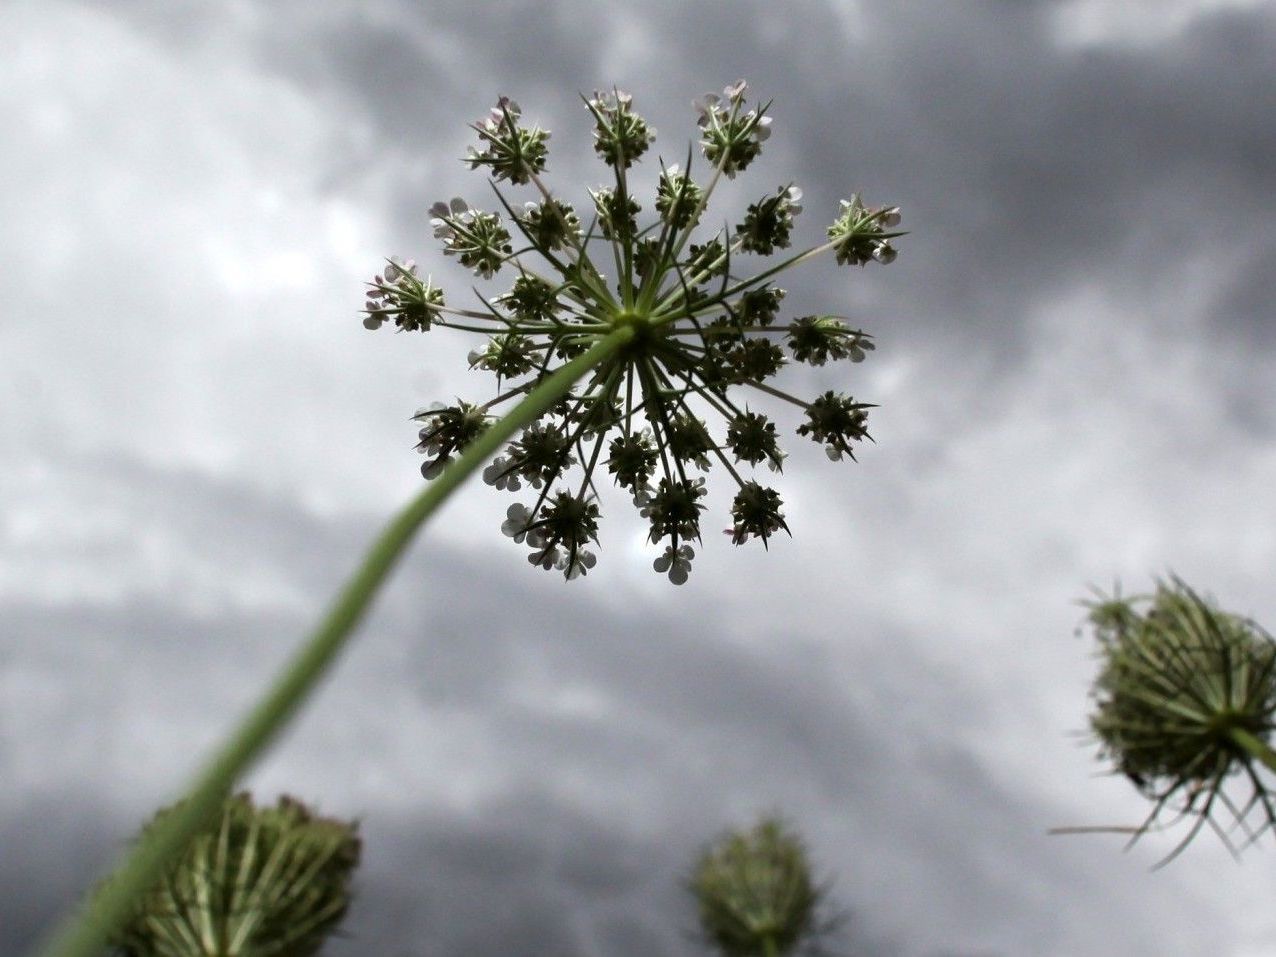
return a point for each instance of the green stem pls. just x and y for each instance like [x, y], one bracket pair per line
[84, 935]
[1254, 746]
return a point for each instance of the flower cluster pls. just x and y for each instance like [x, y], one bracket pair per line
[400, 295]
[701, 336]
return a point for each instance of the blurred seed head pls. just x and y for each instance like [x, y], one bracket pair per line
[1182, 687]
[755, 893]
[258, 882]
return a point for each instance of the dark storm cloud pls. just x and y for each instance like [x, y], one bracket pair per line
[1247, 302]
[1025, 166]
[614, 732]
[532, 876]
[603, 805]
[35, 884]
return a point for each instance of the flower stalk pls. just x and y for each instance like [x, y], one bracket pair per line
[673, 338]
[84, 934]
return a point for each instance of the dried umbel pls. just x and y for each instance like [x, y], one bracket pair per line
[259, 882]
[755, 893]
[702, 340]
[1185, 701]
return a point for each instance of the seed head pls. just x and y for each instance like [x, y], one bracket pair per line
[258, 881]
[1185, 700]
[755, 893]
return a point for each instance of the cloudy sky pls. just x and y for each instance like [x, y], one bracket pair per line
[1075, 355]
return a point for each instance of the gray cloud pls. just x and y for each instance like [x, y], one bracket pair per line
[1074, 370]
[541, 781]
[1029, 162]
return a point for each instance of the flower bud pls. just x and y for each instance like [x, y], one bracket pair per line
[755, 893]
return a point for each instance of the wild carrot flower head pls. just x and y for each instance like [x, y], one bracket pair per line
[705, 337]
[1186, 699]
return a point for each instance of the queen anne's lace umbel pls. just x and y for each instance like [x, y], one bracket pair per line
[705, 339]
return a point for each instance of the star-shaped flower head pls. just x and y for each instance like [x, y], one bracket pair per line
[702, 337]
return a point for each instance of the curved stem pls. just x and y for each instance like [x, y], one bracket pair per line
[84, 935]
[763, 387]
[1254, 746]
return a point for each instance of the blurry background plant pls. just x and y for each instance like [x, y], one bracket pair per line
[1185, 705]
[755, 893]
[260, 882]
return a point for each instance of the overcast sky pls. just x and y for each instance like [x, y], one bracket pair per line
[1076, 351]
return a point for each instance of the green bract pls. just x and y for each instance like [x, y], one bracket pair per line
[701, 331]
[258, 882]
[1186, 699]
